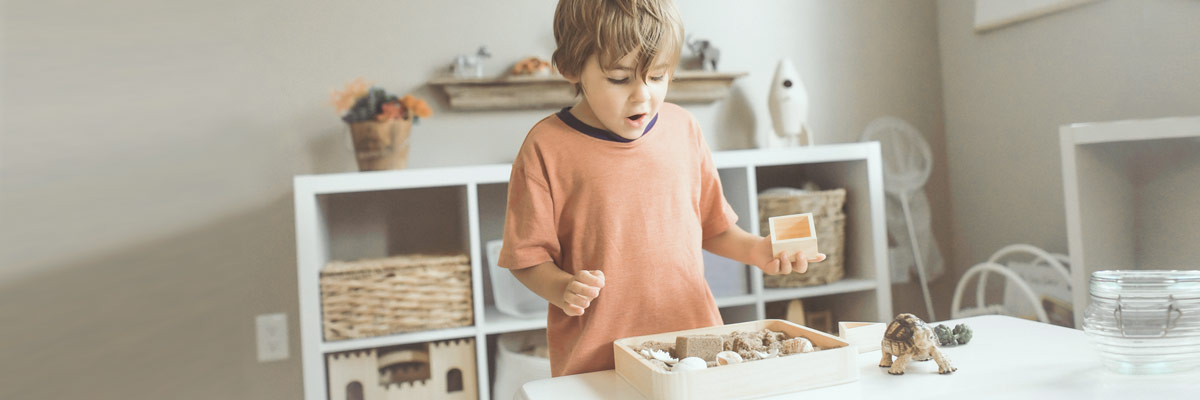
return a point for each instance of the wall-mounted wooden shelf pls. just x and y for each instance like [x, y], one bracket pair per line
[533, 92]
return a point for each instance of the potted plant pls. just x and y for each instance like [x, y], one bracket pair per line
[379, 123]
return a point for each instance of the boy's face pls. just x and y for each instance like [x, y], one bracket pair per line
[617, 99]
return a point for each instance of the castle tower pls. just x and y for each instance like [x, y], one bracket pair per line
[353, 375]
[452, 364]
[436, 370]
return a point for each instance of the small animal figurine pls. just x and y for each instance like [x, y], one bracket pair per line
[709, 55]
[470, 66]
[910, 339]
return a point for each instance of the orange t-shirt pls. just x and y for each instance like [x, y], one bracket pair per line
[637, 211]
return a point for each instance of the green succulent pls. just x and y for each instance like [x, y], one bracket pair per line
[367, 107]
[944, 336]
[962, 333]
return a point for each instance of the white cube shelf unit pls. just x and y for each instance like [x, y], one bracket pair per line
[376, 214]
[1130, 189]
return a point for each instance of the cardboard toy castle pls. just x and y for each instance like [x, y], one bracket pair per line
[435, 370]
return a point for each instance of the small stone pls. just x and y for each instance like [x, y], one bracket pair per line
[742, 343]
[771, 337]
[704, 347]
[776, 346]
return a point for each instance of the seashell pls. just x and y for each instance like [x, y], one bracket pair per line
[663, 356]
[660, 365]
[797, 345]
[690, 363]
[728, 358]
[764, 355]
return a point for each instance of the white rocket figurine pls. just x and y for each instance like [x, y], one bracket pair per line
[788, 103]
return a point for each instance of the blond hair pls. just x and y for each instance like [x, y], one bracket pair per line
[611, 29]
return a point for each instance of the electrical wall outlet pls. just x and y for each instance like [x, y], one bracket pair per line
[272, 337]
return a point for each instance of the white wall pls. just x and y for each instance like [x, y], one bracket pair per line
[1007, 91]
[148, 148]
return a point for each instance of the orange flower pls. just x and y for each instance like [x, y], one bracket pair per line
[422, 110]
[530, 65]
[389, 110]
[344, 99]
[416, 106]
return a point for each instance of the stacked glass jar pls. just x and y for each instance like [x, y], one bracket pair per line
[1145, 321]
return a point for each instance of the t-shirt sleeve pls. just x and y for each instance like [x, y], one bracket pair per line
[530, 237]
[716, 215]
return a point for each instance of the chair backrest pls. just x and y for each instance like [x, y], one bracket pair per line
[1056, 263]
[956, 310]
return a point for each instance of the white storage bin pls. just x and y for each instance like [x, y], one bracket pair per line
[511, 296]
[514, 368]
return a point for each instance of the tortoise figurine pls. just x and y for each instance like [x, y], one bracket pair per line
[909, 338]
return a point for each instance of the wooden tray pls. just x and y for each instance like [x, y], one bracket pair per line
[833, 365]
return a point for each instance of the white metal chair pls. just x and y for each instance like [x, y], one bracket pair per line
[1055, 262]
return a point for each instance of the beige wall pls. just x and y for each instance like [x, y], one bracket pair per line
[148, 149]
[1007, 92]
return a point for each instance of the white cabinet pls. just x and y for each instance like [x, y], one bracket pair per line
[376, 214]
[1130, 189]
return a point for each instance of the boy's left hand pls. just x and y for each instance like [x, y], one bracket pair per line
[781, 264]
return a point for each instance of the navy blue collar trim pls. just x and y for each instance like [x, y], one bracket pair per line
[566, 117]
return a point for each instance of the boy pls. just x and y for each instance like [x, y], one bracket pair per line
[618, 194]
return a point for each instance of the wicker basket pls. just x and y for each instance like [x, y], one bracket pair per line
[826, 207]
[406, 293]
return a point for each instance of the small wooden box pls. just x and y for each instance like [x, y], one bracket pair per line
[834, 364]
[794, 232]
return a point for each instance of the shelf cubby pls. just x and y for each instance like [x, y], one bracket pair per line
[1130, 190]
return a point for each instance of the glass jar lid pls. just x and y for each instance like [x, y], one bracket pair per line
[1146, 284]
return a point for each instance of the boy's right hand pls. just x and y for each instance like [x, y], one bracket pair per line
[780, 264]
[583, 288]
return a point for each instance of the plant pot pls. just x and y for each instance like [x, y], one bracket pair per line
[381, 145]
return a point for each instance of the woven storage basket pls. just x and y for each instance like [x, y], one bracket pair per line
[406, 293]
[826, 207]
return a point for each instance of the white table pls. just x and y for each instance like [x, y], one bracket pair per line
[1007, 358]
